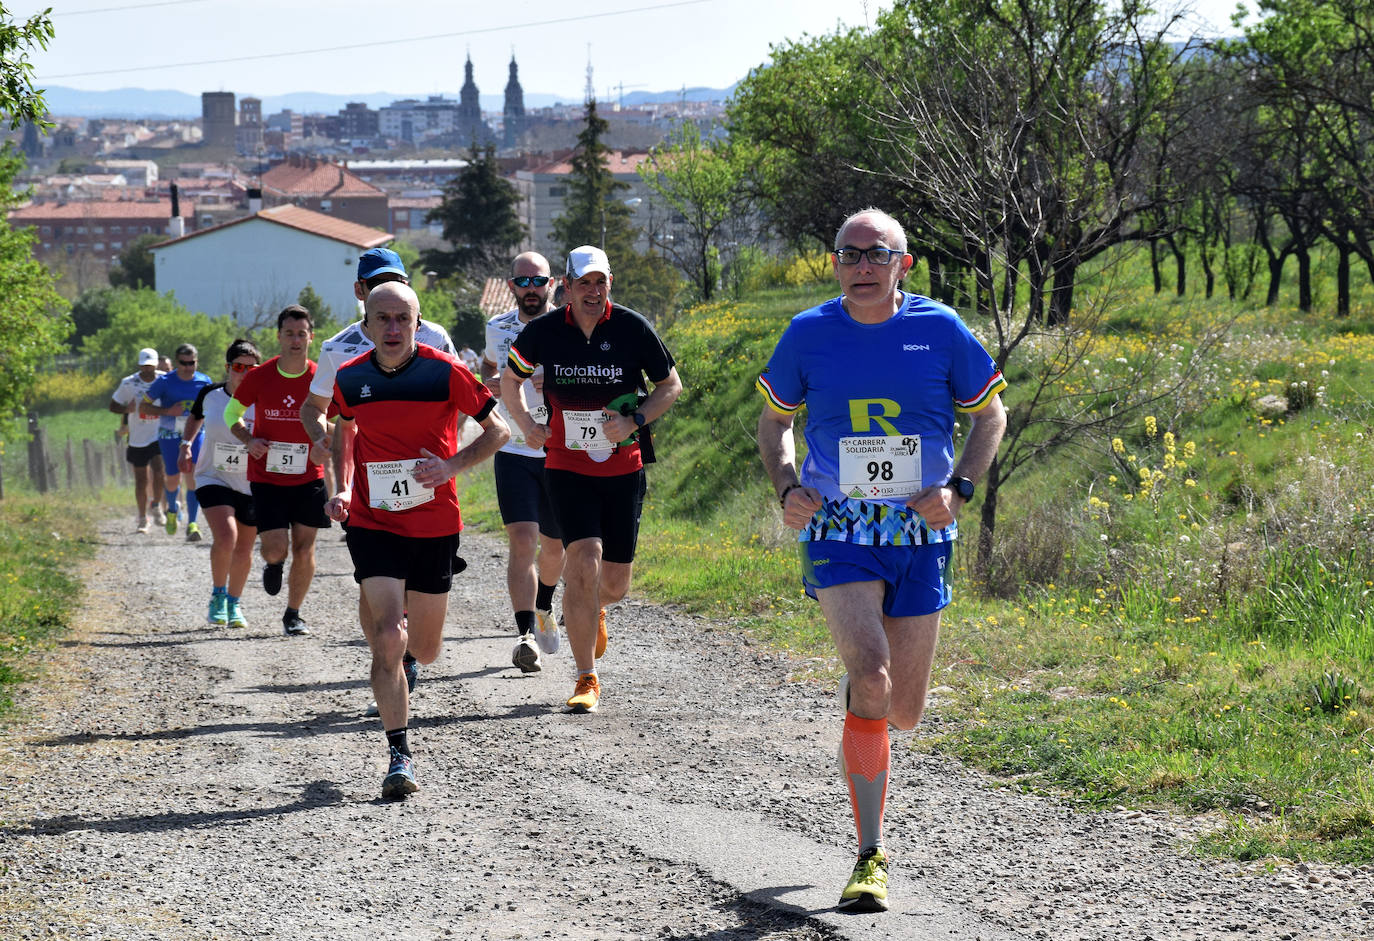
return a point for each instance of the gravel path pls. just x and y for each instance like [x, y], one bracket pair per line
[172, 781]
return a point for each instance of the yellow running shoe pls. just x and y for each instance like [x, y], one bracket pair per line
[866, 890]
[586, 694]
[601, 636]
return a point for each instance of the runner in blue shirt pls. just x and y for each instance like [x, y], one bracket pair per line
[881, 373]
[170, 397]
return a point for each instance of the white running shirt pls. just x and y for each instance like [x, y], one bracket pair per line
[142, 431]
[501, 333]
[351, 341]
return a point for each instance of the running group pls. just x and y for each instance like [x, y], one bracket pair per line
[563, 400]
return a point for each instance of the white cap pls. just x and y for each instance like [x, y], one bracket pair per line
[587, 258]
[147, 356]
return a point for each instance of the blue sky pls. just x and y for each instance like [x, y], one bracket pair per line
[273, 47]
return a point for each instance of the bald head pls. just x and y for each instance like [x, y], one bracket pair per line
[394, 297]
[875, 220]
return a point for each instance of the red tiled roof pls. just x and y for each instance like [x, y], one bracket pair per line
[312, 178]
[617, 161]
[307, 220]
[496, 298]
[95, 209]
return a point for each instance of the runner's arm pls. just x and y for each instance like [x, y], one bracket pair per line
[313, 411]
[495, 433]
[778, 450]
[939, 504]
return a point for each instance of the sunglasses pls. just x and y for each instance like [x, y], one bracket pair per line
[240, 367]
[187, 362]
[525, 280]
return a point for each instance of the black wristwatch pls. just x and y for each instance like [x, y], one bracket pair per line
[639, 419]
[962, 486]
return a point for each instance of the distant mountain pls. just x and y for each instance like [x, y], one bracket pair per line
[167, 104]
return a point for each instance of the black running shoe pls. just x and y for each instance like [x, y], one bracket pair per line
[412, 668]
[294, 626]
[271, 578]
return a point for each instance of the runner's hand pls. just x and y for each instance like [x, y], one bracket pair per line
[800, 504]
[937, 505]
[337, 507]
[432, 470]
[537, 437]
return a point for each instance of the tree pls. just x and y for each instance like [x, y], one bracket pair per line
[90, 313]
[320, 314]
[32, 317]
[480, 220]
[705, 182]
[135, 268]
[593, 211]
[19, 100]
[146, 318]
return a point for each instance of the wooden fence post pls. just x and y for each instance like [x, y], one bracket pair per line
[92, 463]
[71, 465]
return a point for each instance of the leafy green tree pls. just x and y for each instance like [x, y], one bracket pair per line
[90, 313]
[146, 318]
[19, 100]
[705, 182]
[320, 314]
[135, 268]
[480, 220]
[33, 315]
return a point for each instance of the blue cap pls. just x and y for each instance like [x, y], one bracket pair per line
[377, 261]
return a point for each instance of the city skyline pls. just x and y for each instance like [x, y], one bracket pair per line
[262, 49]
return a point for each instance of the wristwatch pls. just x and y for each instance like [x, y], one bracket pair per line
[639, 419]
[962, 486]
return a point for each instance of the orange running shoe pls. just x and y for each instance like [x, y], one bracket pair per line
[586, 694]
[601, 636]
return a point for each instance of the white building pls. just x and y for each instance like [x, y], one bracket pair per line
[252, 267]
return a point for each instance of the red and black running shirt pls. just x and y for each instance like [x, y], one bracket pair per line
[584, 373]
[399, 413]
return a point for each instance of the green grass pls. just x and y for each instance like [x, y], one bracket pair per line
[42, 543]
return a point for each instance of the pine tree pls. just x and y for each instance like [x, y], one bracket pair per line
[593, 212]
[480, 221]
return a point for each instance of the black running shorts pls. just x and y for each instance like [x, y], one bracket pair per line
[279, 506]
[142, 457]
[522, 493]
[606, 508]
[425, 564]
[245, 511]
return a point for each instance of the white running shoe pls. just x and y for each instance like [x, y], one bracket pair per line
[526, 655]
[546, 631]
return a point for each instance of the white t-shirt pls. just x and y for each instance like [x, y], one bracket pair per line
[351, 341]
[501, 333]
[142, 431]
[223, 458]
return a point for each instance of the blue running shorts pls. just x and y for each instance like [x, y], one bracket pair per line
[914, 577]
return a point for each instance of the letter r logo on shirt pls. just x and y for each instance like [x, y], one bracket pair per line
[865, 413]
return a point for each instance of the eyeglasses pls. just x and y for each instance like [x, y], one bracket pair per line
[187, 362]
[525, 280]
[877, 255]
[240, 367]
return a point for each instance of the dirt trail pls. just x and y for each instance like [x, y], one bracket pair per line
[173, 781]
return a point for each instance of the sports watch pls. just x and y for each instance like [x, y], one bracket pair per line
[639, 419]
[962, 486]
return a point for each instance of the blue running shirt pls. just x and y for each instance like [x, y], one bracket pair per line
[170, 389]
[871, 392]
